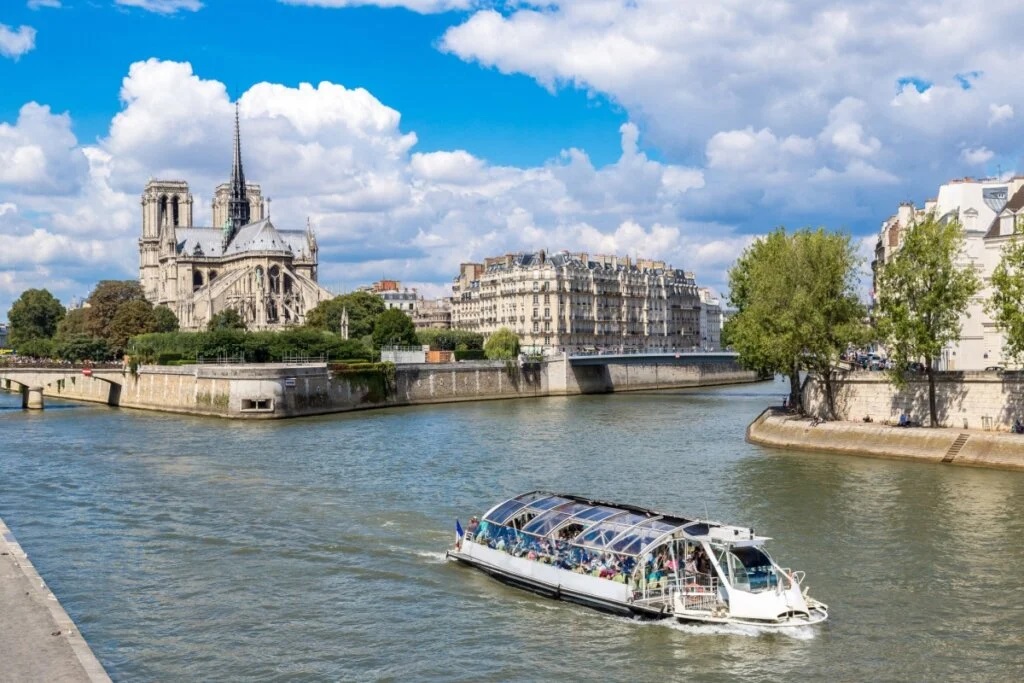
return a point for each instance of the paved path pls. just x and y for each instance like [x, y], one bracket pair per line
[38, 640]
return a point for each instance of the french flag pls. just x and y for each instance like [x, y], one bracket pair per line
[459, 534]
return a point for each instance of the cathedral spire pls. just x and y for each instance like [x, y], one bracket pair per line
[238, 204]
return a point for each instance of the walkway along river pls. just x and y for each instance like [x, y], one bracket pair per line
[199, 549]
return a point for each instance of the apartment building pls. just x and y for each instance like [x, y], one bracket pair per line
[577, 302]
[988, 210]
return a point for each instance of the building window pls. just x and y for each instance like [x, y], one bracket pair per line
[547, 298]
[536, 298]
[535, 312]
[547, 341]
[547, 327]
[536, 286]
[536, 327]
[547, 312]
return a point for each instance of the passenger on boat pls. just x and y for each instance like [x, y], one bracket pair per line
[474, 526]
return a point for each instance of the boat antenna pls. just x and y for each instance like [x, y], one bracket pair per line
[706, 515]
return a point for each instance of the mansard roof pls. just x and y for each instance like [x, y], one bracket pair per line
[1013, 206]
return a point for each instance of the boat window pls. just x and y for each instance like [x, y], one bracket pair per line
[597, 514]
[633, 543]
[548, 503]
[697, 529]
[544, 523]
[755, 568]
[501, 513]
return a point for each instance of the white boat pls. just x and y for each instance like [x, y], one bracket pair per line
[633, 561]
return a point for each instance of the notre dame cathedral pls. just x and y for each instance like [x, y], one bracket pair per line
[268, 275]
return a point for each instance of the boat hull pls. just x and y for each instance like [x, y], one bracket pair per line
[550, 584]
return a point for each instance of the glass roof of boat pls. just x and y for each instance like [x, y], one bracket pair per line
[601, 526]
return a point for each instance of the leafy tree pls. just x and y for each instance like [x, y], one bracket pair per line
[72, 324]
[393, 327]
[363, 309]
[796, 304]
[132, 318]
[450, 340]
[79, 347]
[35, 315]
[104, 302]
[923, 294]
[35, 348]
[165, 319]
[1006, 304]
[228, 319]
[503, 344]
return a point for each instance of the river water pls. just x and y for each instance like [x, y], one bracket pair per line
[199, 549]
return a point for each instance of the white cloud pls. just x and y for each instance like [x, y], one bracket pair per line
[39, 153]
[15, 43]
[340, 157]
[999, 113]
[976, 156]
[37, 4]
[163, 6]
[421, 6]
[857, 89]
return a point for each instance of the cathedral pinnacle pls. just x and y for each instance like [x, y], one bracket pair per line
[238, 204]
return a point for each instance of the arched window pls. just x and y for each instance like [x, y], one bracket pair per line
[275, 279]
[161, 216]
[174, 211]
[197, 280]
[211, 276]
[287, 284]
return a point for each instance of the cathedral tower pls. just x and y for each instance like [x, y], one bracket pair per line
[166, 206]
[238, 204]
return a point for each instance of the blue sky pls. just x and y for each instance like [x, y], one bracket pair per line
[438, 131]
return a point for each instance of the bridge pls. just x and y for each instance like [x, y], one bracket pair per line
[31, 381]
[654, 358]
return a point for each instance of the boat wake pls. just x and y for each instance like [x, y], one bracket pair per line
[434, 556]
[748, 630]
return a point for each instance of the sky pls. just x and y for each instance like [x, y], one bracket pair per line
[414, 135]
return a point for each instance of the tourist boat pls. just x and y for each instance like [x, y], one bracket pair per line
[633, 561]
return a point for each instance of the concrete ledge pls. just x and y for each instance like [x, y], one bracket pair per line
[38, 640]
[998, 450]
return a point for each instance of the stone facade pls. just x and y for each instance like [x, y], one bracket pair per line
[988, 210]
[572, 302]
[966, 400]
[244, 262]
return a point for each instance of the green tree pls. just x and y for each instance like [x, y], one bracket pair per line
[79, 347]
[796, 304]
[1006, 304]
[503, 344]
[104, 302]
[450, 340]
[394, 328]
[72, 324]
[228, 319]
[35, 348]
[165, 319]
[132, 318]
[363, 309]
[923, 294]
[35, 315]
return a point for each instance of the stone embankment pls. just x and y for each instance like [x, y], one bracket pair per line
[969, 447]
[38, 640]
[267, 391]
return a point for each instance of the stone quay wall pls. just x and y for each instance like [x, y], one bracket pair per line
[970, 447]
[966, 400]
[268, 391]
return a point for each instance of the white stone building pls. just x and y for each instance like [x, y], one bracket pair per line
[572, 302]
[711, 320]
[244, 263]
[987, 209]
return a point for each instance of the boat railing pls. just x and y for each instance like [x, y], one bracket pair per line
[697, 591]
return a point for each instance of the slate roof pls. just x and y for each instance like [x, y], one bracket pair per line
[260, 236]
[1015, 204]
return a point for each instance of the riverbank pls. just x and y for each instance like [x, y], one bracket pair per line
[274, 391]
[966, 447]
[38, 640]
